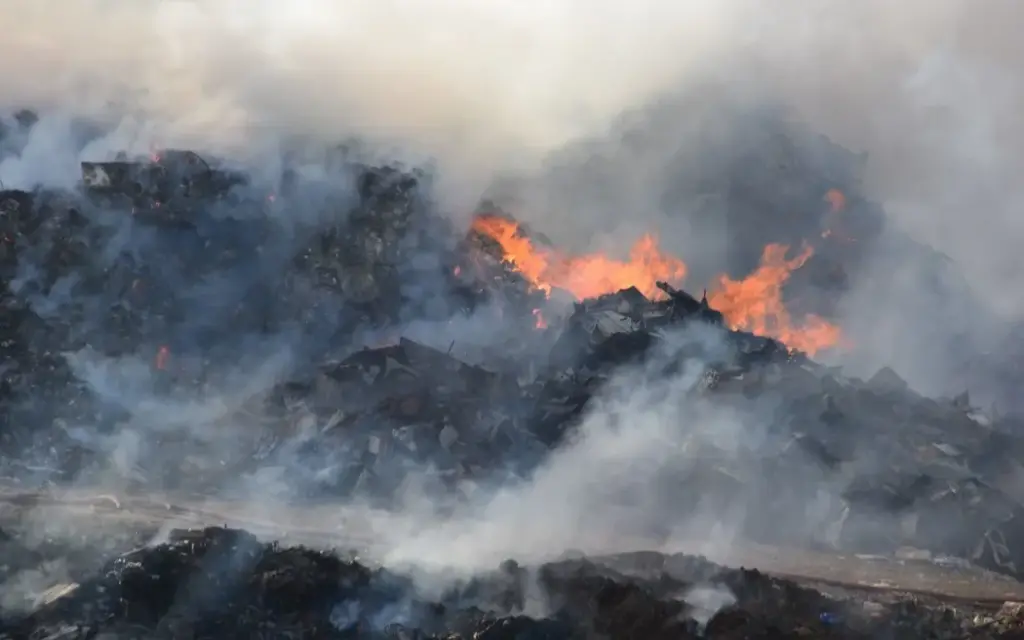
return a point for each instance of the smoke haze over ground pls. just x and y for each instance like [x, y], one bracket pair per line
[520, 98]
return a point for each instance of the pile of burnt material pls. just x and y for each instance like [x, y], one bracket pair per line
[178, 263]
[223, 583]
[869, 466]
[183, 266]
[877, 467]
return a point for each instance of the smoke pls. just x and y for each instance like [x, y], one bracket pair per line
[587, 116]
[478, 87]
[706, 601]
[644, 471]
[930, 90]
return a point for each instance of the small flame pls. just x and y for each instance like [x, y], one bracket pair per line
[755, 303]
[457, 271]
[585, 276]
[539, 321]
[836, 204]
[836, 200]
[163, 354]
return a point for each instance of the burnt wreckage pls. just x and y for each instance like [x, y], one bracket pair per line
[172, 266]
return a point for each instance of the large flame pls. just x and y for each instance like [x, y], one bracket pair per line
[585, 276]
[752, 304]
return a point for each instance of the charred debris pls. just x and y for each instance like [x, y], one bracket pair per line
[175, 264]
[225, 583]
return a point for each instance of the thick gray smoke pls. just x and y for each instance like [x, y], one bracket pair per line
[930, 90]
[521, 98]
[477, 86]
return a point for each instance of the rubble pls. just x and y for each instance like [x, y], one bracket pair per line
[225, 583]
[181, 267]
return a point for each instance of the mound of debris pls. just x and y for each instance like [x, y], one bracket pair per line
[182, 266]
[224, 583]
[898, 472]
[174, 265]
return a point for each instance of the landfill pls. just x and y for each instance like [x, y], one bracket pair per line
[133, 301]
[225, 583]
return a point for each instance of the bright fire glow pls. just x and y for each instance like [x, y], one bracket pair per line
[752, 304]
[585, 276]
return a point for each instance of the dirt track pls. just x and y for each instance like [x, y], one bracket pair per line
[332, 526]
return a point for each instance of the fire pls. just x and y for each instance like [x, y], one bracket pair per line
[755, 303]
[585, 276]
[836, 200]
[752, 304]
[539, 321]
[162, 355]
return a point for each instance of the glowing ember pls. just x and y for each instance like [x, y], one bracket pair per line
[162, 355]
[585, 276]
[539, 321]
[836, 200]
[754, 304]
[837, 204]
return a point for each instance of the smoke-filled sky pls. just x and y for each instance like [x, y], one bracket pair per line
[932, 90]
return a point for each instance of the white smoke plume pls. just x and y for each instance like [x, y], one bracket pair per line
[476, 85]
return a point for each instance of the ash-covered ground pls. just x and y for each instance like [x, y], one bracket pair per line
[479, 420]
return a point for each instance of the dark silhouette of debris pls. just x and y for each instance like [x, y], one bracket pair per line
[224, 583]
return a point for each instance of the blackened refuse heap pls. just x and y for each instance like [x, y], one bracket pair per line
[174, 261]
[224, 583]
[179, 263]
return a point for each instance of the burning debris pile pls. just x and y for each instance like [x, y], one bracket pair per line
[173, 262]
[135, 299]
[224, 583]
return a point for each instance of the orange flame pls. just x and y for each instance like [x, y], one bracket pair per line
[755, 303]
[585, 276]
